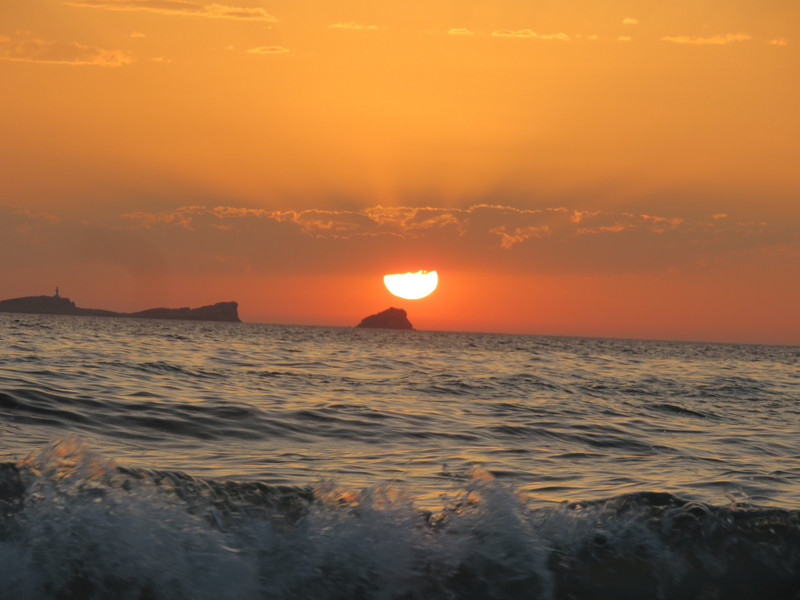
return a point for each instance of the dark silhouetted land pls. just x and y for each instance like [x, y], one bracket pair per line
[391, 318]
[58, 305]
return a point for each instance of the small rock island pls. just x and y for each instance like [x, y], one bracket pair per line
[391, 318]
[59, 305]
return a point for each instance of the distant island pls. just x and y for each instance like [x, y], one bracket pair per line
[391, 318]
[59, 305]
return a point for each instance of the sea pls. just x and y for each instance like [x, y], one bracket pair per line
[145, 459]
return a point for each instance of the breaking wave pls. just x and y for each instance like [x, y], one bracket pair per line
[74, 524]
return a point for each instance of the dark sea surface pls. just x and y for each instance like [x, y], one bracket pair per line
[171, 459]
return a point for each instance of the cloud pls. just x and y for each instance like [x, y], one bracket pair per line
[413, 222]
[529, 33]
[511, 225]
[137, 34]
[179, 8]
[630, 21]
[483, 236]
[402, 222]
[268, 50]
[778, 42]
[520, 33]
[563, 37]
[353, 26]
[37, 215]
[461, 31]
[624, 38]
[716, 40]
[25, 48]
[519, 234]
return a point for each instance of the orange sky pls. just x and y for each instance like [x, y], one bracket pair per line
[614, 169]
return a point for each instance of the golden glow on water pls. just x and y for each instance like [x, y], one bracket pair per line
[556, 418]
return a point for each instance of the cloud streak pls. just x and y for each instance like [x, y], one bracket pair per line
[268, 50]
[353, 26]
[26, 48]
[715, 40]
[460, 31]
[179, 8]
[529, 33]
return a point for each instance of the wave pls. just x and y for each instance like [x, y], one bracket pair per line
[74, 524]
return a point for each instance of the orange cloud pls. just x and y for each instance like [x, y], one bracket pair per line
[519, 234]
[563, 37]
[353, 26]
[268, 50]
[182, 217]
[579, 215]
[529, 33]
[414, 222]
[630, 21]
[521, 33]
[179, 8]
[25, 48]
[716, 40]
[407, 220]
[37, 215]
[461, 31]
[496, 238]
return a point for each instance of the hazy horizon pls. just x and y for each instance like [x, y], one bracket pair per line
[399, 305]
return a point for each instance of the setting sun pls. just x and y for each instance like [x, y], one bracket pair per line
[411, 286]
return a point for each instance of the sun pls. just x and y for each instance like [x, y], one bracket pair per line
[411, 286]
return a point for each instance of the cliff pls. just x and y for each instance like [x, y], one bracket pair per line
[391, 318]
[57, 305]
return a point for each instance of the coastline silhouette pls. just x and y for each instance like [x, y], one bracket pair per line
[61, 305]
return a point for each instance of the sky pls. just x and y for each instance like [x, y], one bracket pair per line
[617, 169]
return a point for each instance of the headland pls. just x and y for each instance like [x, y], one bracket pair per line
[59, 305]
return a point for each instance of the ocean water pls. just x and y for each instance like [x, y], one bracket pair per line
[168, 459]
